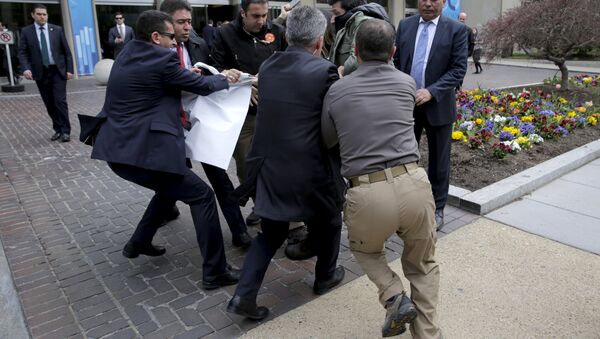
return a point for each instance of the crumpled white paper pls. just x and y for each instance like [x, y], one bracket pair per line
[217, 120]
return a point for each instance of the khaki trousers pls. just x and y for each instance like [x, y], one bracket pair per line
[402, 205]
[243, 146]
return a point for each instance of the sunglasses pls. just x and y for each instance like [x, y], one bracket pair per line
[121, 18]
[167, 34]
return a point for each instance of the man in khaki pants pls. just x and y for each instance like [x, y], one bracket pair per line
[370, 114]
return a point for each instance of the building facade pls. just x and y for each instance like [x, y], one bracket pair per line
[87, 22]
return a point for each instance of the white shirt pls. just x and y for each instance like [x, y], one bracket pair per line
[47, 35]
[431, 34]
[121, 30]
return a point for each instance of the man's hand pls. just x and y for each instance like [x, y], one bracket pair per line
[118, 40]
[196, 70]
[341, 71]
[233, 75]
[69, 76]
[285, 10]
[422, 96]
[27, 74]
[254, 96]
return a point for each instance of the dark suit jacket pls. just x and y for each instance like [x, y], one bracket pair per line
[30, 53]
[198, 49]
[293, 177]
[142, 103]
[446, 66]
[114, 33]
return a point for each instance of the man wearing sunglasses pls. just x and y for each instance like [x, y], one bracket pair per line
[120, 34]
[142, 140]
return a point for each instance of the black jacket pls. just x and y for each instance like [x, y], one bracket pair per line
[198, 49]
[234, 48]
[288, 164]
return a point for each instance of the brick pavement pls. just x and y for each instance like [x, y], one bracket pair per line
[64, 219]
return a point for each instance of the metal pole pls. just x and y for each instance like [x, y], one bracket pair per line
[10, 71]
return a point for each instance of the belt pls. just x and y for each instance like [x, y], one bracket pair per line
[380, 175]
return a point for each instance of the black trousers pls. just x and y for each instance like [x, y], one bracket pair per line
[221, 184]
[325, 233]
[53, 89]
[190, 189]
[438, 171]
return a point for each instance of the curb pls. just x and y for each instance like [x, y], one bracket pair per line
[574, 69]
[12, 322]
[507, 190]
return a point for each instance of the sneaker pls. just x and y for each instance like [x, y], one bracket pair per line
[400, 311]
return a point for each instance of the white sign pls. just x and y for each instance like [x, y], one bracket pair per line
[6, 38]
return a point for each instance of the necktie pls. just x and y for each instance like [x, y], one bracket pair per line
[121, 32]
[44, 43]
[418, 62]
[183, 116]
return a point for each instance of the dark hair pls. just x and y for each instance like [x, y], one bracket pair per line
[172, 6]
[375, 40]
[118, 13]
[347, 4]
[246, 3]
[40, 6]
[151, 21]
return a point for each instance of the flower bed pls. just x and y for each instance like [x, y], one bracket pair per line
[505, 123]
[578, 81]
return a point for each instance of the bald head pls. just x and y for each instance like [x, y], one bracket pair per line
[375, 40]
[462, 17]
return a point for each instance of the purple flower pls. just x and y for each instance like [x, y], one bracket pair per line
[547, 112]
[489, 125]
[514, 121]
[527, 128]
[506, 136]
[560, 131]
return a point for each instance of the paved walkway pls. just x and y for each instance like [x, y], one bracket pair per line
[496, 282]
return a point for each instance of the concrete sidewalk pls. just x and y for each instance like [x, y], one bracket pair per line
[496, 282]
[573, 66]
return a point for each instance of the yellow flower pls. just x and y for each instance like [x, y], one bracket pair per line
[571, 114]
[512, 130]
[458, 135]
[513, 104]
[587, 80]
[527, 118]
[478, 121]
[476, 97]
[581, 109]
[522, 140]
[558, 117]
[521, 99]
[592, 121]
[563, 100]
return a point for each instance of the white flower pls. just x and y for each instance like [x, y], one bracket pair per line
[467, 124]
[498, 118]
[589, 103]
[514, 146]
[536, 139]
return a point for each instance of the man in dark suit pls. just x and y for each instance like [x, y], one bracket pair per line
[45, 57]
[288, 165]
[142, 140]
[433, 50]
[192, 49]
[120, 34]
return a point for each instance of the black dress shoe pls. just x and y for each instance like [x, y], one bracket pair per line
[439, 218]
[242, 241]
[400, 311]
[65, 137]
[252, 219]
[172, 215]
[247, 308]
[133, 250]
[231, 276]
[55, 136]
[322, 287]
[300, 250]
